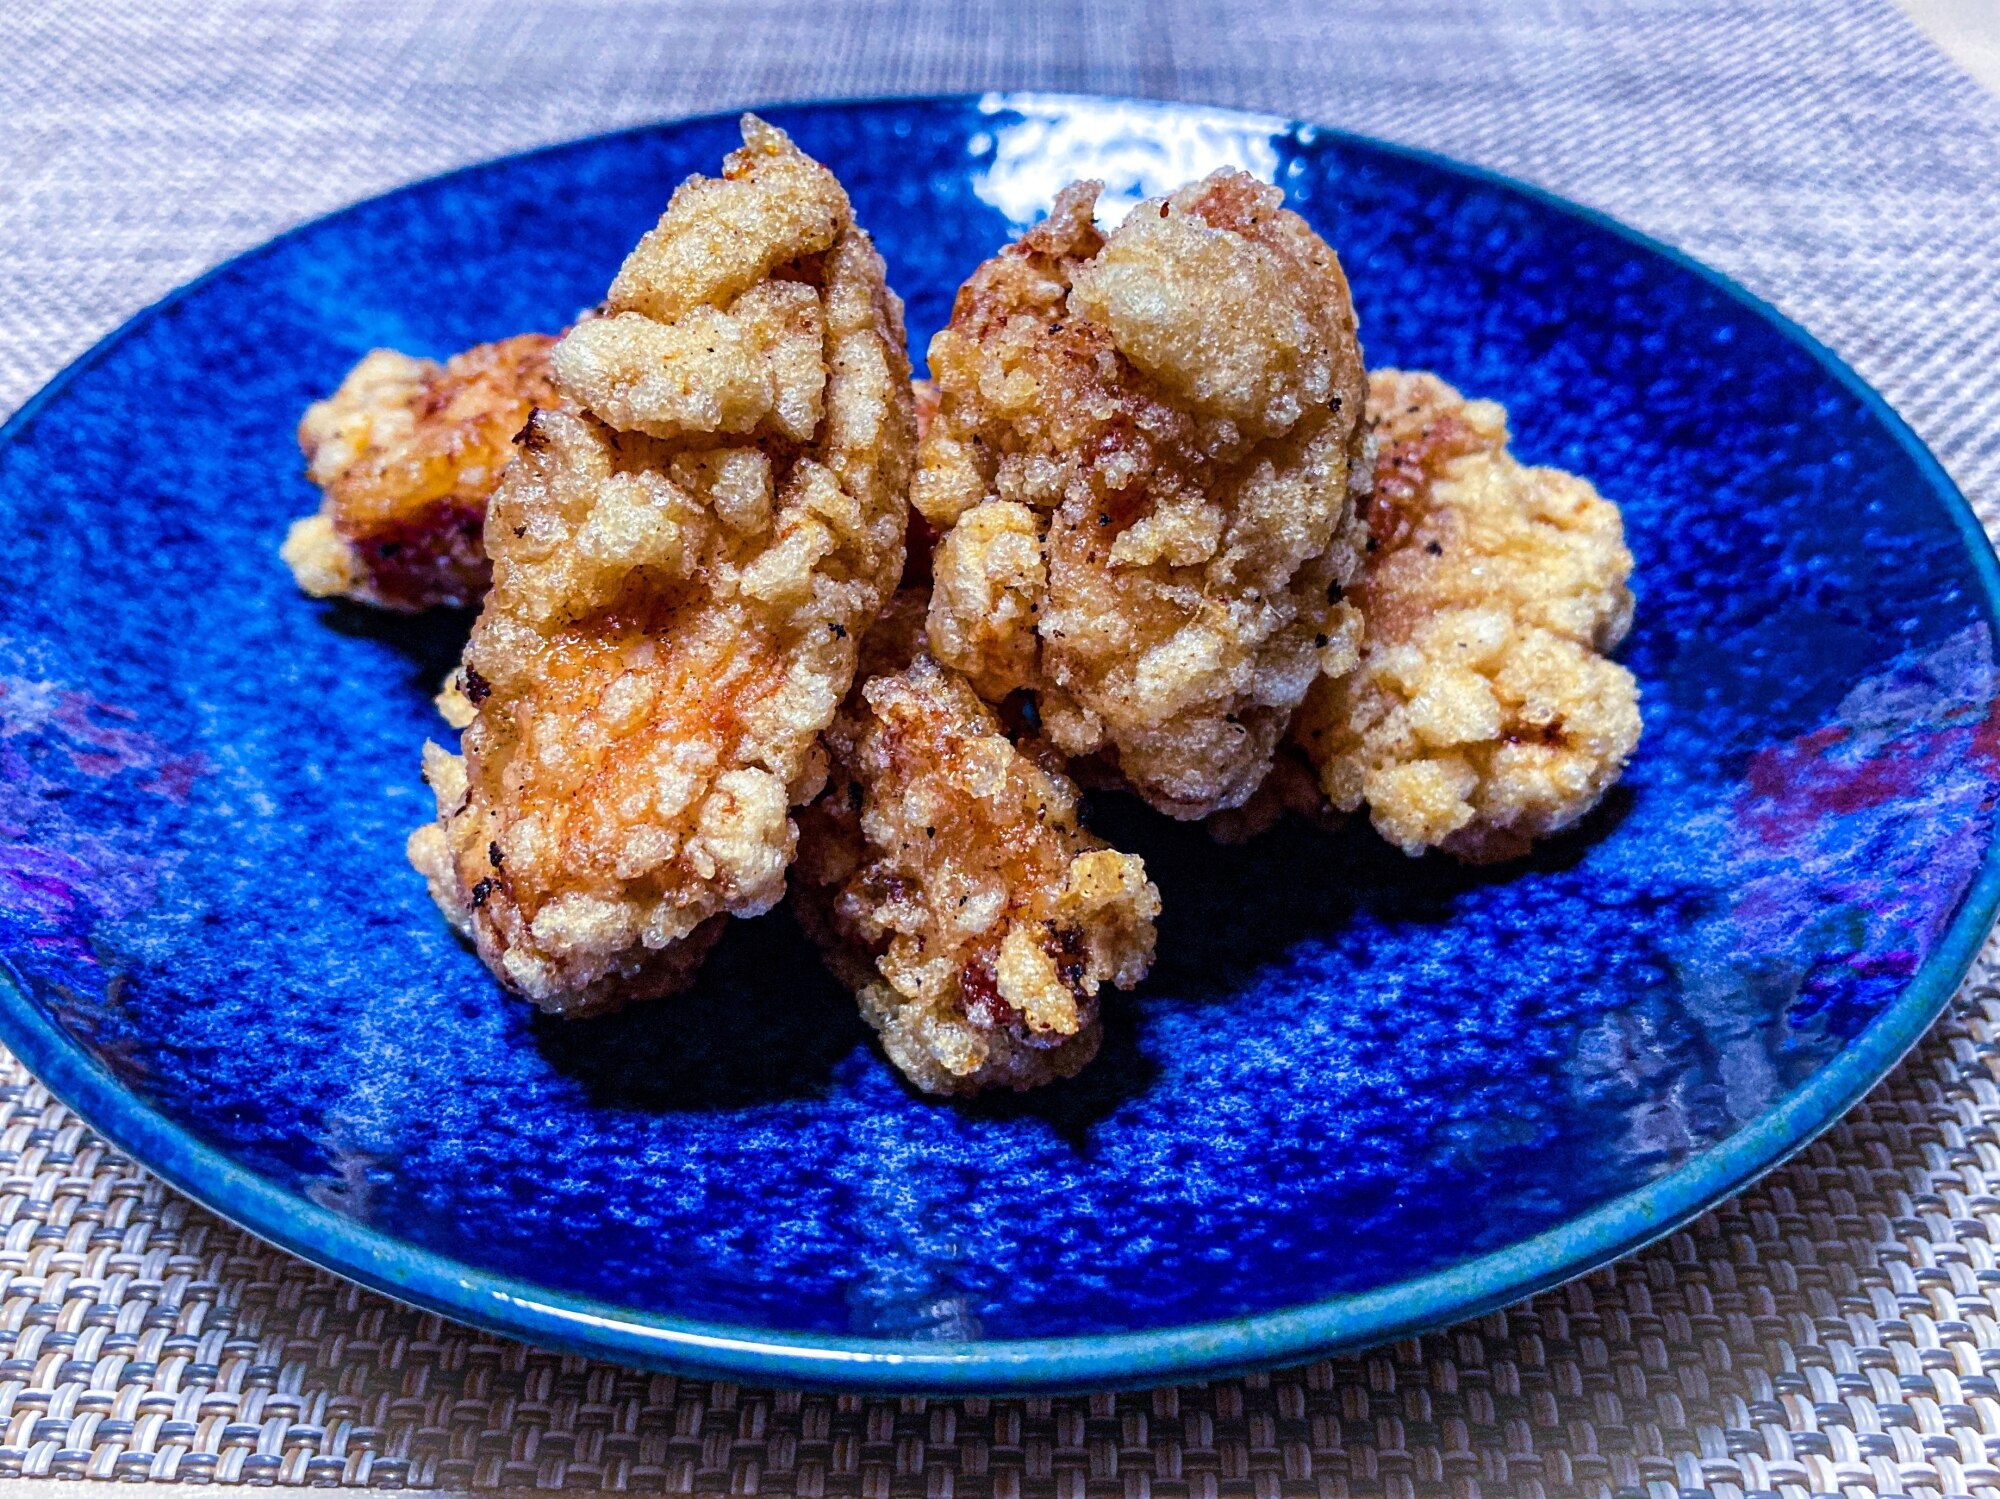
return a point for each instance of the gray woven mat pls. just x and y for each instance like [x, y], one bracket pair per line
[1837, 1329]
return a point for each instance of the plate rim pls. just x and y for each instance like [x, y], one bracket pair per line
[513, 1307]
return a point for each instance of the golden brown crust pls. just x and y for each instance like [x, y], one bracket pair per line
[407, 453]
[947, 878]
[1141, 468]
[678, 591]
[1483, 714]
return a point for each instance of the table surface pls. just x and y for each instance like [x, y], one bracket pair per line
[1835, 1329]
[1967, 30]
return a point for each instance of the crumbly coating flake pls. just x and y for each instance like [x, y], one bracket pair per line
[772, 208]
[756, 368]
[407, 453]
[1483, 714]
[1141, 467]
[946, 876]
[676, 604]
[989, 582]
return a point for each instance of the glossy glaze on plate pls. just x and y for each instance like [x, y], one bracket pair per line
[1357, 1094]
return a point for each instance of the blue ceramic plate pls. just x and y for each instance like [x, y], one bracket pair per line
[1359, 1094]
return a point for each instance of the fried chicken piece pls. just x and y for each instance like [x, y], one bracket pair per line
[682, 568]
[1290, 790]
[1483, 714]
[406, 454]
[947, 879]
[1141, 469]
[925, 394]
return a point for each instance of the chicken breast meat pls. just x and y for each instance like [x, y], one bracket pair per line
[407, 453]
[1143, 472]
[947, 878]
[683, 565]
[1483, 713]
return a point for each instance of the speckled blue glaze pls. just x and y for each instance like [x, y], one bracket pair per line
[1358, 1094]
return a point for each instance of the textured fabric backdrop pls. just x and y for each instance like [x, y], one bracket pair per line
[1837, 1328]
[1823, 153]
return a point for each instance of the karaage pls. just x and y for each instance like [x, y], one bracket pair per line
[1483, 714]
[1141, 470]
[682, 568]
[406, 454]
[946, 877]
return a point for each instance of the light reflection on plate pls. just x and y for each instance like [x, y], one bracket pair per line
[1039, 143]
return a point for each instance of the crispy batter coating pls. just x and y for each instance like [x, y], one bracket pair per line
[1141, 469]
[396, 429]
[946, 877]
[681, 571]
[1483, 714]
[406, 454]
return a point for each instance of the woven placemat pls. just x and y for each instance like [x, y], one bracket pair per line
[1835, 1329]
